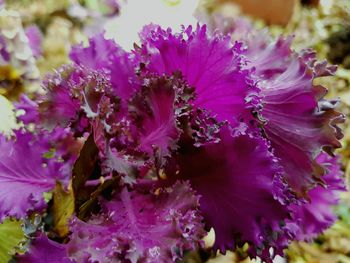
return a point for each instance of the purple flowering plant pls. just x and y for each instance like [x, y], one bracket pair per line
[152, 148]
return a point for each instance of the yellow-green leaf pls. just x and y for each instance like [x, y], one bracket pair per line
[11, 234]
[63, 209]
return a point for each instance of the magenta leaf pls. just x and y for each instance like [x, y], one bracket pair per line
[316, 215]
[298, 121]
[156, 111]
[43, 250]
[241, 190]
[156, 227]
[25, 174]
[30, 108]
[105, 55]
[211, 65]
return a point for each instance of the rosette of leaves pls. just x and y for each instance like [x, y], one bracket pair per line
[145, 151]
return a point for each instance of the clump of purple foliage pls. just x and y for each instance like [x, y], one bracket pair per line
[187, 132]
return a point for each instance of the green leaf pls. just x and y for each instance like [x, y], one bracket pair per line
[11, 235]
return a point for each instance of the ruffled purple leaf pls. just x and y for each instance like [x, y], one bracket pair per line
[106, 55]
[268, 59]
[97, 55]
[156, 111]
[59, 106]
[63, 147]
[313, 217]
[30, 108]
[25, 174]
[320, 68]
[135, 226]
[125, 164]
[211, 65]
[77, 95]
[298, 121]
[43, 250]
[242, 195]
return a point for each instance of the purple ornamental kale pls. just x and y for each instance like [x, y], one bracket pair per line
[187, 132]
